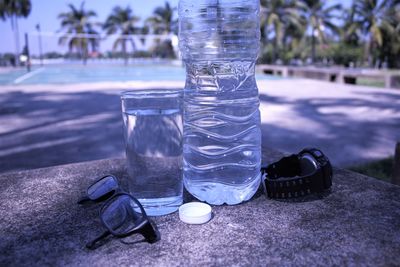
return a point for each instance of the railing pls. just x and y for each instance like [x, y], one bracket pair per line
[338, 75]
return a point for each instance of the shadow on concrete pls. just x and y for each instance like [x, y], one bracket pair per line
[347, 137]
[43, 129]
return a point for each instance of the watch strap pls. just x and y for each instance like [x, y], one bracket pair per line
[283, 178]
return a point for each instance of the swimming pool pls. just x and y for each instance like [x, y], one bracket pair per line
[72, 74]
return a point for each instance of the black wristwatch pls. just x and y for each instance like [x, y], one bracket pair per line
[298, 175]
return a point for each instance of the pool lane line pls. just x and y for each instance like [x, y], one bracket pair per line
[27, 75]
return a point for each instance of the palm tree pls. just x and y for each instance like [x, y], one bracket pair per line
[78, 21]
[15, 9]
[350, 31]
[123, 21]
[279, 15]
[390, 27]
[2, 10]
[320, 17]
[162, 20]
[373, 20]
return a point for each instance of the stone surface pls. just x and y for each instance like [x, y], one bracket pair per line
[358, 223]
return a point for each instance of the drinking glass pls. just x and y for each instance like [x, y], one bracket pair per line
[153, 142]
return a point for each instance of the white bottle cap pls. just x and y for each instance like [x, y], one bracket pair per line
[195, 213]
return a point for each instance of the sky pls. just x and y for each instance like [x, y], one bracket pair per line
[44, 12]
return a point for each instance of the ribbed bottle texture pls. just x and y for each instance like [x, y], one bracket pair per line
[219, 41]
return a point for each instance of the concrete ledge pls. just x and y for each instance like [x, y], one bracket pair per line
[357, 224]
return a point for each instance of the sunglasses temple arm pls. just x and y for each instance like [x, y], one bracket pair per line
[83, 200]
[150, 232]
[90, 245]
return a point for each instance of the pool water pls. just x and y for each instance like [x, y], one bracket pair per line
[70, 74]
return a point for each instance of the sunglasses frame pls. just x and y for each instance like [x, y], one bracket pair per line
[146, 227]
[141, 227]
[104, 197]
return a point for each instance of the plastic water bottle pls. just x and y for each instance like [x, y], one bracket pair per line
[219, 43]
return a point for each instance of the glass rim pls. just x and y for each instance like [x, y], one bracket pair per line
[150, 93]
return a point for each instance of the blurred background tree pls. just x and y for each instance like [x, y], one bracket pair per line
[79, 21]
[281, 19]
[14, 9]
[123, 21]
[366, 34]
[297, 32]
[162, 22]
[320, 18]
[373, 18]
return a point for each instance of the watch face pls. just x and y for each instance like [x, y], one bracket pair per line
[308, 164]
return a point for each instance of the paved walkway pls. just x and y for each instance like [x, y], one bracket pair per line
[49, 125]
[7, 69]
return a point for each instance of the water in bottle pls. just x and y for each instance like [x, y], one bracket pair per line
[219, 43]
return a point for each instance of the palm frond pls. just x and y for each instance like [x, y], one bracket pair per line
[78, 21]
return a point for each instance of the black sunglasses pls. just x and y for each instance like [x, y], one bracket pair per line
[122, 215]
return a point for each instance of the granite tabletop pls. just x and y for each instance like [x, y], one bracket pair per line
[358, 223]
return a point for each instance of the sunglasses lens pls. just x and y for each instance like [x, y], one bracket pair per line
[120, 216]
[106, 185]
